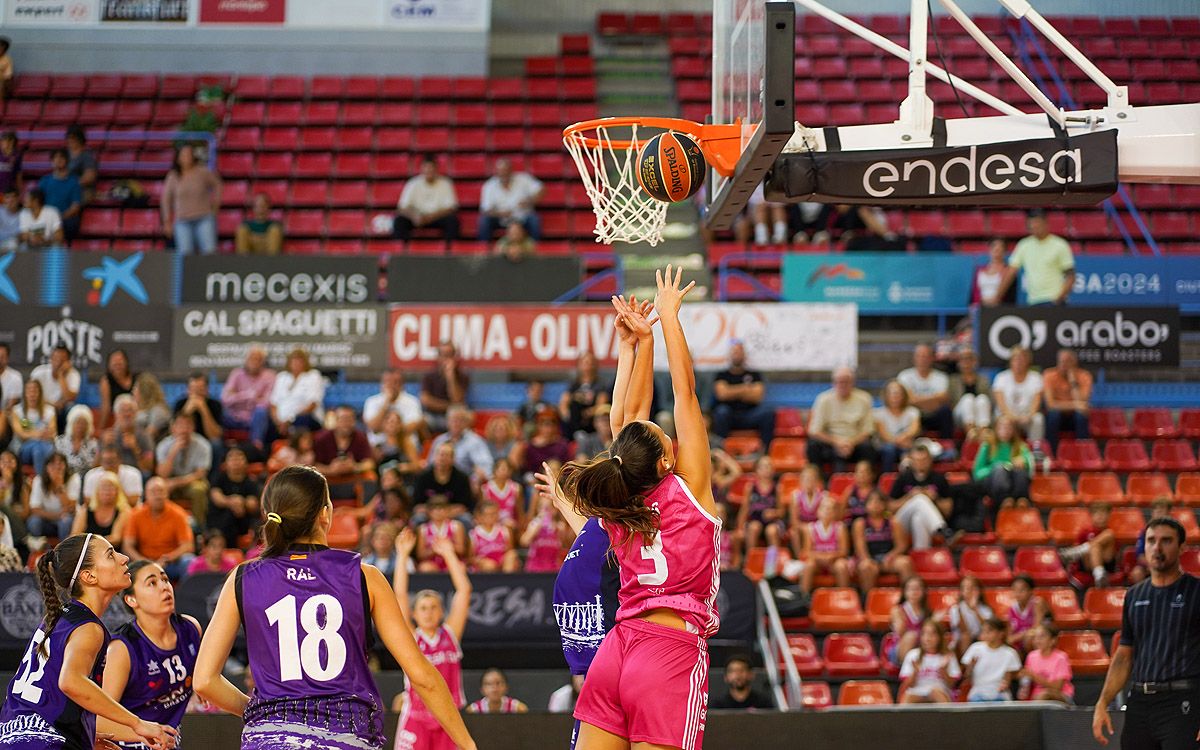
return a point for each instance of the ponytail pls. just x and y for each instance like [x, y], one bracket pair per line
[50, 599]
[58, 573]
[292, 501]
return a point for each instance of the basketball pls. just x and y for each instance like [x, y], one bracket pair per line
[670, 167]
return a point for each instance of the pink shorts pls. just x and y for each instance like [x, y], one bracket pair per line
[419, 733]
[648, 683]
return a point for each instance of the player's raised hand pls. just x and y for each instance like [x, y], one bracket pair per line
[406, 542]
[670, 295]
[634, 317]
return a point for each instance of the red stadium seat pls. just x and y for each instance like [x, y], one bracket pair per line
[879, 607]
[1085, 649]
[1103, 606]
[314, 166]
[839, 482]
[835, 609]
[1126, 455]
[999, 599]
[101, 222]
[140, 223]
[1143, 488]
[746, 449]
[1064, 607]
[314, 193]
[1107, 424]
[344, 532]
[935, 565]
[988, 564]
[1020, 526]
[1100, 487]
[1189, 423]
[790, 422]
[942, 599]
[1052, 490]
[304, 223]
[865, 693]
[804, 652]
[1152, 424]
[788, 453]
[1066, 523]
[1174, 455]
[1040, 563]
[850, 654]
[348, 194]
[1126, 524]
[816, 695]
[1189, 560]
[1187, 517]
[1079, 455]
[273, 165]
[347, 223]
[1187, 488]
[756, 562]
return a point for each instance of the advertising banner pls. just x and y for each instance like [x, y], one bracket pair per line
[21, 610]
[120, 279]
[50, 12]
[143, 331]
[481, 279]
[145, 11]
[243, 11]
[1101, 336]
[251, 280]
[776, 336]
[21, 278]
[1119, 280]
[459, 15]
[880, 282]
[218, 336]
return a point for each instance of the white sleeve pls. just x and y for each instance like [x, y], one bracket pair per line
[952, 667]
[35, 493]
[53, 220]
[487, 197]
[910, 663]
[406, 195]
[410, 409]
[73, 380]
[73, 487]
[25, 220]
[372, 406]
[1012, 661]
[971, 654]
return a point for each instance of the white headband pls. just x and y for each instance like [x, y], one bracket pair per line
[79, 563]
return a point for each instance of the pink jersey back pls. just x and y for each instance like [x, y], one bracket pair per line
[680, 571]
[491, 545]
[433, 532]
[505, 497]
[825, 539]
[444, 653]
[546, 550]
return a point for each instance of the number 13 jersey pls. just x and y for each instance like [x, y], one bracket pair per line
[681, 569]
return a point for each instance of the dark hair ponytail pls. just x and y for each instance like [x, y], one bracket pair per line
[613, 485]
[291, 502]
[54, 572]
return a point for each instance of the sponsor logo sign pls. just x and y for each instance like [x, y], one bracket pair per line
[263, 281]
[1101, 336]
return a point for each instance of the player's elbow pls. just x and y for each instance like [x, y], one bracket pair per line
[204, 682]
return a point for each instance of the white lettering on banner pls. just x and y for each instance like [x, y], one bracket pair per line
[1064, 166]
[1117, 283]
[82, 338]
[288, 322]
[330, 288]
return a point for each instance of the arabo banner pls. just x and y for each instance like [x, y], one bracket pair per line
[776, 336]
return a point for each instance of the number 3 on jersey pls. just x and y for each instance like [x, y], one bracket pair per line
[654, 552]
[303, 659]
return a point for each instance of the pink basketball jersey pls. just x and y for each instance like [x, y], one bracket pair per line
[444, 653]
[505, 497]
[491, 545]
[680, 570]
[507, 706]
[546, 550]
[912, 619]
[806, 505]
[1021, 620]
[431, 533]
[825, 539]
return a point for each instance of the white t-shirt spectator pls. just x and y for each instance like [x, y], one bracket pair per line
[897, 423]
[51, 391]
[498, 199]
[923, 387]
[292, 393]
[407, 406]
[129, 476]
[929, 674]
[991, 664]
[1018, 396]
[426, 197]
[12, 387]
[39, 497]
[46, 224]
[471, 454]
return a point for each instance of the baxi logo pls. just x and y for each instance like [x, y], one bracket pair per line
[112, 275]
[8, 290]
[834, 271]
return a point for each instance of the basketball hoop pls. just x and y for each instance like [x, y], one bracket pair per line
[608, 165]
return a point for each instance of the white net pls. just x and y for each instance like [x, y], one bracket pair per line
[624, 211]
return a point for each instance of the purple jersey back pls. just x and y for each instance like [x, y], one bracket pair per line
[160, 681]
[36, 713]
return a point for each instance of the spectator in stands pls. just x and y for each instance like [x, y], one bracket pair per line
[491, 541]
[247, 389]
[12, 500]
[11, 382]
[53, 495]
[929, 672]
[879, 545]
[382, 547]
[515, 244]
[81, 162]
[110, 462]
[41, 225]
[967, 615]
[153, 414]
[344, 450]
[159, 531]
[184, 460]
[428, 200]
[587, 391]
[990, 279]
[929, 391]
[11, 158]
[841, 427]
[547, 536]
[506, 493]
[562, 700]
[921, 500]
[212, 557]
[991, 665]
[811, 222]
[738, 399]
[509, 198]
[770, 219]
[259, 233]
[206, 412]
[298, 449]
[805, 503]
[546, 444]
[78, 443]
[190, 201]
[399, 447]
[63, 192]
[503, 439]
[443, 479]
[10, 219]
[105, 513]
[1047, 261]
[826, 548]
[971, 395]
[1095, 549]
[535, 403]
[441, 526]
[1018, 394]
[494, 687]
[740, 693]
[862, 228]
[1047, 673]
[60, 382]
[233, 499]
[135, 446]
[1067, 393]
[854, 497]
[34, 427]
[1004, 465]
[445, 386]
[392, 399]
[897, 424]
[7, 76]
[471, 453]
[761, 516]
[118, 379]
[295, 401]
[907, 616]
[1025, 613]
[591, 443]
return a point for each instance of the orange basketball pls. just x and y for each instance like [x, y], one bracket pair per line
[670, 167]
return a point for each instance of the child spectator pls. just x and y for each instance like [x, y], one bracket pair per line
[1025, 614]
[494, 687]
[382, 552]
[761, 514]
[213, 557]
[929, 673]
[439, 526]
[854, 497]
[725, 471]
[259, 233]
[515, 244]
[1095, 550]
[879, 545]
[826, 548]
[491, 542]
[153, 413]
[1047, 672]
[808, 497]
[506, 494]
[544, 537]
[1003, 465]
[299, 449]
[907, 617]
[731, 541]
[968, 614]
[991, 665]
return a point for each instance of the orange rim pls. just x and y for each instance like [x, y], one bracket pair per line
[722, 144]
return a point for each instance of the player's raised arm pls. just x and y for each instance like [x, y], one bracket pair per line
[209, 679]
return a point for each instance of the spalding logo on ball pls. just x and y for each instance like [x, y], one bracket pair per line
[670, 167]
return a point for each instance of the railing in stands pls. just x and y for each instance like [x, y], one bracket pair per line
[127, 136]
[617, 273]
[773, 644]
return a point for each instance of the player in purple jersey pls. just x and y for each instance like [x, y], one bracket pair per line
[150, 659]
[55, 697]
[310, 614]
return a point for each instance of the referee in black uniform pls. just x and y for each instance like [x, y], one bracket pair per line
[1160, 646]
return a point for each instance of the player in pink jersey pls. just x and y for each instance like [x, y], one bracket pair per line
[491, 542]
[648, 684]
[496, 700]
[502, 490]
[440, 526]
[438, 636]
[826, 547]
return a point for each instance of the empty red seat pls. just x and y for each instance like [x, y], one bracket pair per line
[1126, 524]
[789, 454]
[1127, 455]
[1085, 649]
[60, 112]
[1189, 423]
[347, 223]
[1103, 606]
[1052, 490]
[836, 608]
[987, 563]
[850, 654]
[304, 223]
[284, 113]
[354, 139]
[1144, 488]
[1187, 488]
[1174, 455]
[1040, 563]
[935, 565]
[344, 531]
[1187, 518]
[879, 607]
[314, 166]
[1106, 424]
[816, 695]
[273, 165]
[1100, 487]
[288, 87]
[1066, 523]
[140, 223]
[865, 693]
[352, 165]
[1064, 607]
[1079, 455]
[1189, 560]
[1020, 526]
[1151, 424]
[317, 139]
[314, 193]
[348, 194]
[789, 422]
[804, 652]
[327, 87]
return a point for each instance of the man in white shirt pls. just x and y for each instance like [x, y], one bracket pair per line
[60, 382]
[929, 391]
[471, 454]
[509, 196]
[391, 398]
[427, 200]
[110, 460]
[40, 225]
[11, 383]
[1018, 395]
